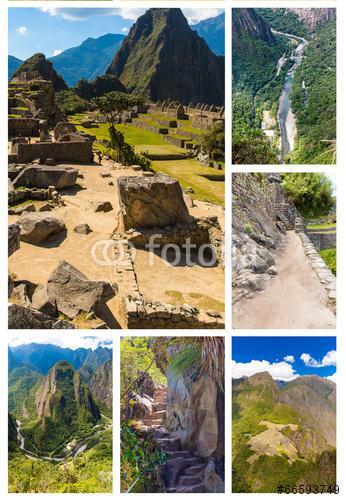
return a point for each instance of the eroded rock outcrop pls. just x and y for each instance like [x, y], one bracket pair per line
[74, 293]
[13, 238]
[35, 227]
[149, 202]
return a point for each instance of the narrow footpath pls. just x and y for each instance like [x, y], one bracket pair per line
[294, 298]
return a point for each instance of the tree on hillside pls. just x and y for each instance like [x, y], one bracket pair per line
[112, 106]
[312, 193]
[214, 142]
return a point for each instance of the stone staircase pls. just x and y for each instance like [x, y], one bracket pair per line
[285, 212]
[299, 225]
[183, 472]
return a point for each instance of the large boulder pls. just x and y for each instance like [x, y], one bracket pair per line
[43, 176]
[36, 227]
[73, 293]
[148, 202]
[21, 317]
[13, 238]
[63, 128]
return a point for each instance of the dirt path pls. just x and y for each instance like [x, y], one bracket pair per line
[294, 298]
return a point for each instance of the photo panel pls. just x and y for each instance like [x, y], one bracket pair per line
[117, 168]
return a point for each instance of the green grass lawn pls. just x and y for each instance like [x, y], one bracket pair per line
[329, 257]
[190, 174]
[205, 181]
[325, 225]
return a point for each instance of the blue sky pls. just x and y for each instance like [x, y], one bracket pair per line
[73, 339]
[51, 30]
[284, 358]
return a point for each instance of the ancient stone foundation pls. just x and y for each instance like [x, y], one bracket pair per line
[66, 152]
[43, 176]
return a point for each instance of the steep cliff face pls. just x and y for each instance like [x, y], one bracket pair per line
[163, 57]
[101, 384]
[38, 63]
[314, 17]
[260, 217]
[249, 22]
[64, 398]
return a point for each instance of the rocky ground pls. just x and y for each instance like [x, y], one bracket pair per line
[96, 184]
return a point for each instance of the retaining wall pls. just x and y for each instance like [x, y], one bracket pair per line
[67, 152]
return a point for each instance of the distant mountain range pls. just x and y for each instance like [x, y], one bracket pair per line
[213, 32]
[283, 432]
[94, 55]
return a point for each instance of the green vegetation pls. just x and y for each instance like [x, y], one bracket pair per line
[140, 461]
[315, 111]
[329, 256]
[70, 103]
[113, 105]
[324, 225]
[24, 383]
[90, 472]
[251, 404]
[97, 88]
[208, 184]
[284, 20]
[312, 193]
[214, 142]
[137, 356]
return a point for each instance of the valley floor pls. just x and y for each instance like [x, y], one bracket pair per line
[294, 298]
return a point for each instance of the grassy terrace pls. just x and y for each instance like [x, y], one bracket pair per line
[208, 184]
[322, 226]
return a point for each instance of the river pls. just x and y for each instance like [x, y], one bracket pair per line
[286, 118]
[72, 450]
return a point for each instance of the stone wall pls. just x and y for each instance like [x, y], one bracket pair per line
[136, 313]
[23, 127]
[66, 152]
[326, 277]
[323, 240]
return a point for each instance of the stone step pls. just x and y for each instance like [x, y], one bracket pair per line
[189, 480]
[169, 444]
[199, 488]
[180, 453]
[160, 433]
[194, 470]
[158, 406]
[153, 421]
[193, 461]
[159, 414]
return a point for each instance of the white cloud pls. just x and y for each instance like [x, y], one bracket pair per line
[279, 371]
[85, 14]
[289, 359]
[57, 52]
[195, 16]
[328, 360]
[332, 378]
[22, 30]
[125, 29]
[73, 340]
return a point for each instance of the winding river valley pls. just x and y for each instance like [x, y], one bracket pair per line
[71, 450]
[286, 118]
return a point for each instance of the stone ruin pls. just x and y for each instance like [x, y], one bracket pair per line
[150, 206]
[43, 176]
